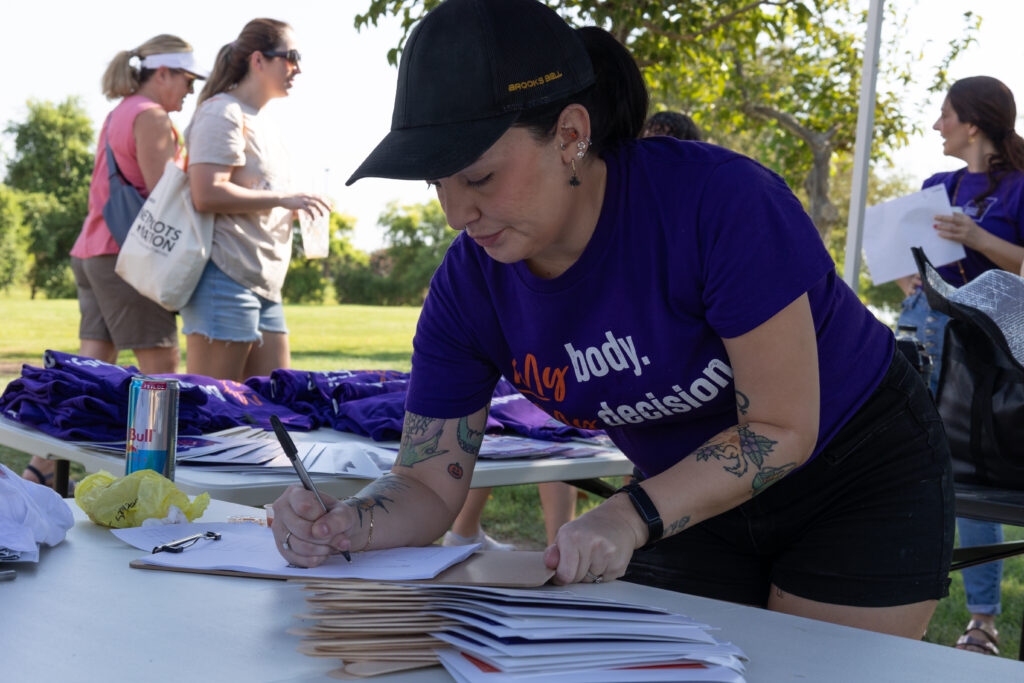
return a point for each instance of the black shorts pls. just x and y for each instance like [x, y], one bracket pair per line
[868, 522]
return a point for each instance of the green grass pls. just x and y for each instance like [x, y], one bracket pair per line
[361, 337]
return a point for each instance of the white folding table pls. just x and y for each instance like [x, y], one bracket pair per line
[256, 489]
[82, 614]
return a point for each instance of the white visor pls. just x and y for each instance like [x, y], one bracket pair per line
[175, 60]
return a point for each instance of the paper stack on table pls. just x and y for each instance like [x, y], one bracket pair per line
[509, 634]
[246, 449]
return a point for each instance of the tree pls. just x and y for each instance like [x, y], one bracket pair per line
[308, 278]
[52, 228]
[416, 238]
[52, 149]
[13, 237]
[52, 163]
[786, 70]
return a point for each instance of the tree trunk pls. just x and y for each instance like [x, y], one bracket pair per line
[820, 208]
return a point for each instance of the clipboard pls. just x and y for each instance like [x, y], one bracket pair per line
[497, 568]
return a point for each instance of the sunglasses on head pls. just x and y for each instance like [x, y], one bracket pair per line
[292, 56]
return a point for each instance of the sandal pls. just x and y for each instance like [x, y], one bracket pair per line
[989, 645]
[45, 480]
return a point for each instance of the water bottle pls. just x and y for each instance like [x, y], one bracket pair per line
[912, 347]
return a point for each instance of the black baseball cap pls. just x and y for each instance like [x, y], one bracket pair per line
[468, 70]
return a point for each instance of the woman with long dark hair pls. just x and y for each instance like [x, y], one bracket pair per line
[987, 195]
[234, 322]
[673, 293]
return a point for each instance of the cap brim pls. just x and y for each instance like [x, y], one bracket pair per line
[431, 152]
[201, 75]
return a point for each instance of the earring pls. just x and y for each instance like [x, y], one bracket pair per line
[562, 145]
[581, 149]
[574, 180]
[970, 139]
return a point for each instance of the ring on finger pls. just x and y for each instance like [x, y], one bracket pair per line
[594, 578]
[284, 543]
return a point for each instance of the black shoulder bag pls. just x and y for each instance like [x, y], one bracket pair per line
[124, 202]
[981, 383]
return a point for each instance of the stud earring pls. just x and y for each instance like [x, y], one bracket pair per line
[562, 145]
[574, 180]
[970, 139]
[581, 149]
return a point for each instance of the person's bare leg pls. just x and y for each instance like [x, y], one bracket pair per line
[215, 358]
[909, 621]
[158, 360]
[467, 524]
[272, 354]
[558, 501]
[100, 349]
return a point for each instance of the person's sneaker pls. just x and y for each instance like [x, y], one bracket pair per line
[451, 538]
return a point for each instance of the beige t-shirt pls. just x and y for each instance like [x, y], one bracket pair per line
[253, 249]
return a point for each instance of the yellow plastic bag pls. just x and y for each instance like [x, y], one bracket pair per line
[121, 502]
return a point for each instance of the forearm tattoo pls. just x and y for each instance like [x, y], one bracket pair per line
[469, 438]
[368, 502]
[678, 525]
[743, 451]
[420, 439]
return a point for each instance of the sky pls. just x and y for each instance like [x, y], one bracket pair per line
[341, 104]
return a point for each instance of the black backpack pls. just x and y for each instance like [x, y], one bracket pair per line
[980, 392]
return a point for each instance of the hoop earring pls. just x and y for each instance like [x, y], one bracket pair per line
[574, 180]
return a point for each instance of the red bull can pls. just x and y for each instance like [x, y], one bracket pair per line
[151, 443]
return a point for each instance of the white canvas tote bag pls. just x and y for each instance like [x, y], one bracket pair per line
[169, 243]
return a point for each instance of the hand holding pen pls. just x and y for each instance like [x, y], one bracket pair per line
[292, 452]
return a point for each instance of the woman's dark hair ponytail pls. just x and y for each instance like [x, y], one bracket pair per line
[987, 103]
[616, 102]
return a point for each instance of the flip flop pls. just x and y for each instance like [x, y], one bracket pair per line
[989, 645]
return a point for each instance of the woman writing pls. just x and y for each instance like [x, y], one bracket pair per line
[151, 80]
[710, 337]
[977, 127]
[234, 322]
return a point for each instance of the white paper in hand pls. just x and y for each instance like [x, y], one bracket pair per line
[893, 227]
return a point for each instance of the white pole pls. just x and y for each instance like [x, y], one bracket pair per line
[862, 148]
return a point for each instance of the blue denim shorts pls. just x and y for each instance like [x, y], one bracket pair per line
[222, 309]
[868, 522]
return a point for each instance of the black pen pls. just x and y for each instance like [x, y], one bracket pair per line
[182, 543]
[292, 452]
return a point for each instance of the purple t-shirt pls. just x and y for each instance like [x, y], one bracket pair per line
[694, 244]
[1000, 213]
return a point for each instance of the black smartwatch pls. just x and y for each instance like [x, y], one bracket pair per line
[648, 513]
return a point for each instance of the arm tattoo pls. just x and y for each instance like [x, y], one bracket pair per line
[469, 438]
[420, 438]
[376, 498]
[677, 525]
[743, 451]
[742, 402]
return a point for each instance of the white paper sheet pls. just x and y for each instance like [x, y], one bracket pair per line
[463, 670]
[893, 227]
[250, 548]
